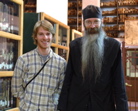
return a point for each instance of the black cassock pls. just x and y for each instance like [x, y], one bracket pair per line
[107, 94]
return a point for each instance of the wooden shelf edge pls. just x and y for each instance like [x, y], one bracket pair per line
[60, 46]
[13, 109]
[6, 73]
[114, 6]
[10, 35]
[18, 1]
[30, 6]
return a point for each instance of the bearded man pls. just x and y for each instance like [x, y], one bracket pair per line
[94, 79]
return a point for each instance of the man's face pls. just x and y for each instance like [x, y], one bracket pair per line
[92, 25]
[44, 38]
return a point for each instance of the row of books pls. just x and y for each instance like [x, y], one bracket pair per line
[8, 54]
[6, 99]
[9, 17]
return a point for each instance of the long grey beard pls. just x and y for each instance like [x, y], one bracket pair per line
[92, 55]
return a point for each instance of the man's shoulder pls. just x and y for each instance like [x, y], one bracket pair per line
[76, 41]
[111, 41]
[58, 57]
[28, 54]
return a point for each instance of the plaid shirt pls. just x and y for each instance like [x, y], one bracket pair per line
[39, 95]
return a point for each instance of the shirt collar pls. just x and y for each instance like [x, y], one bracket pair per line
[50, 55]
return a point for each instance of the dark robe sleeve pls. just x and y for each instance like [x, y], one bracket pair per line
[62, 104]
[119, 84]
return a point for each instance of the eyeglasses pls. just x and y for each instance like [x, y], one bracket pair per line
[96, 22]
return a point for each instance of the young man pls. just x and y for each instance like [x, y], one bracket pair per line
[94, 79]
[39, 94]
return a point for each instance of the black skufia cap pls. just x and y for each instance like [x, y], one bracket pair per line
[92, 11]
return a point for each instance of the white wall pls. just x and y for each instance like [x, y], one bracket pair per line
[90, 2]
[57, 9]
